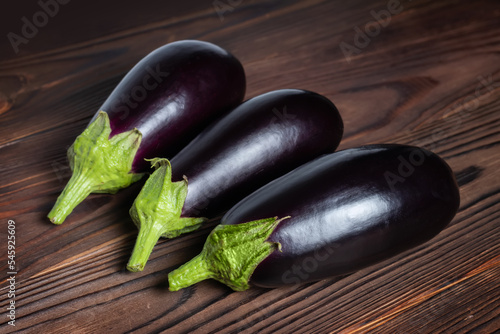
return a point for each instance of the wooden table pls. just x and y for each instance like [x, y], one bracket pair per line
[414, 72]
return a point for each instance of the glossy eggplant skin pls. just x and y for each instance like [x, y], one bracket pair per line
[350, 209]
[260, 140]
[173, 93]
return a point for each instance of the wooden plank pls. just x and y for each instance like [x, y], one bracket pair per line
[428, 76]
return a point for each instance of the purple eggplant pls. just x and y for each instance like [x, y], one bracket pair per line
[157, 109]
[330, 217]
[260, 140]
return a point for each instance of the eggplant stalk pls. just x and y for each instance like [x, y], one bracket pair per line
[230, 255]
[99, 164]
[157, 212]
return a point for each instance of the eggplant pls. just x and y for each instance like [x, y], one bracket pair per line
[260, 140]
[158, 107]
[330, 217]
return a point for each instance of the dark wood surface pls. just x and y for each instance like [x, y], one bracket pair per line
[428, 76]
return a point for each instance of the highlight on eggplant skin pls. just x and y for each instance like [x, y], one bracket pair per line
[157, 108]
[347, 210]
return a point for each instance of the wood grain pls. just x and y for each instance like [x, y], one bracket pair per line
[429, 77]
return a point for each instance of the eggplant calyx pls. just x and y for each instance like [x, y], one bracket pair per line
[99, 164]
[230, 255]
[157, 212]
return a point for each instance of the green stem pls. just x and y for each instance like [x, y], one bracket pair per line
[230, 255]
[188, 274]
[99, 164]
[77, 189]
[157, 213]
[149, 234]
